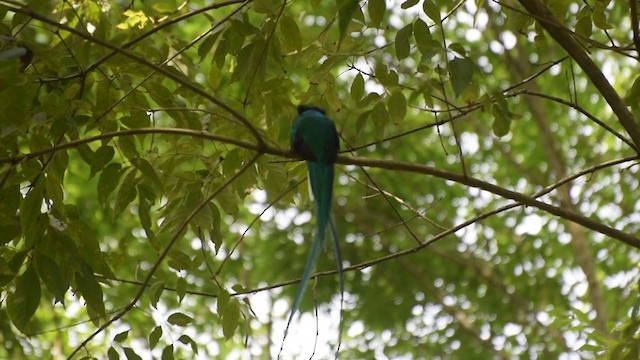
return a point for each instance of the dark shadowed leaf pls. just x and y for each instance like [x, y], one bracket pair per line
[24, 300]
[461, 72]
[179, 319]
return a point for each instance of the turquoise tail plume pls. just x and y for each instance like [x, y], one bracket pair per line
[314, 138]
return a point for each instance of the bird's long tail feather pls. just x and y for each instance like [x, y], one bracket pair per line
[321, 179]
[338, 254]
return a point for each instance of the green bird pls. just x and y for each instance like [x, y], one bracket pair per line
[314, 138]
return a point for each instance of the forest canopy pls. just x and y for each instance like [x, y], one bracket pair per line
[486, 192]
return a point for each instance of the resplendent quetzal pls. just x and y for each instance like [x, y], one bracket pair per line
[314, 138]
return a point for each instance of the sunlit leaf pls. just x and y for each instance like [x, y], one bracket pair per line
[290, 33]
[230, 318]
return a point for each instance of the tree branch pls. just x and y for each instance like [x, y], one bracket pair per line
[559, 33]
[358, 161]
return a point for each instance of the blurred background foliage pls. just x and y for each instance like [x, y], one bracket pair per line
[95, 257]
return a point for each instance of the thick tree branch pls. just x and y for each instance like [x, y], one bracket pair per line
[382, 164]
[542, 14]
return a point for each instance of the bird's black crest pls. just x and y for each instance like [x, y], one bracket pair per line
[303, 108]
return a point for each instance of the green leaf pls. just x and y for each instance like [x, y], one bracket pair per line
[230, 319]
[387, 79]
[185, 339]
[461, 72]
[127, 146]
[265, 6]
[633, 98]
[205, 46]
[181, 288]
[179, 319]
[88, 246]
[154, 336]
[457, 47]
[101, 158]
[112, 353]
[290, 34]
[30, 212]
[137, 120]
[409, 3]
[148, 171]
[376, 9]
[155, 291]
[144, 210]
[23, 302]
[223, 301]
[345, 13]
[126, 193]
[6, 273]
[431, 9]
[121, 336]
[90, 289]
[403, 47]
[245, 63]
[584, 26]
[167, 353]
[14, 266]
[380, 116]
[501, 116]
[397, 106]
[357, 87]
[51, 276]
[179, 260]
[53, 191]
[131, 354]
[600, 18]
[108, 181]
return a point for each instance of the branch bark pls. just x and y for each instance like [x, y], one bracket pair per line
[358, 161]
